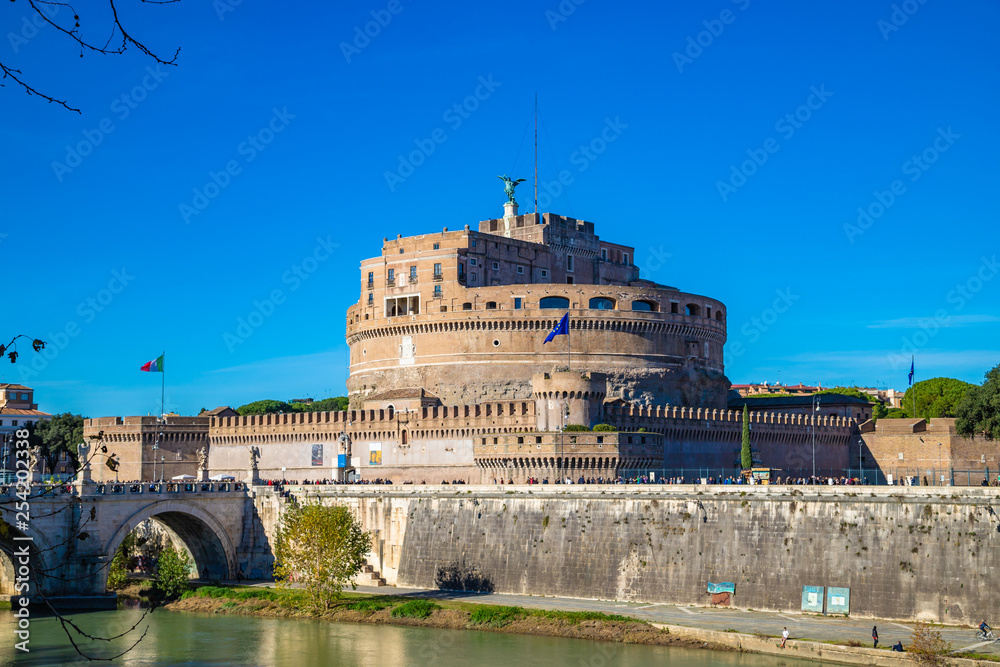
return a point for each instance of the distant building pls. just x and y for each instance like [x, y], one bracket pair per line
[826, 405]
[765, 388]
[17, 410]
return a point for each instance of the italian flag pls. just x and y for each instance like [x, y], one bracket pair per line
[154, 366]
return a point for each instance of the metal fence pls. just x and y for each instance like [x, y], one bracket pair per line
[901, 476]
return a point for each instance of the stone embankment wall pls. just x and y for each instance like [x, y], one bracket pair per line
[905, 553]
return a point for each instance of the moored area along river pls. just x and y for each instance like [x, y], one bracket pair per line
[176, 638]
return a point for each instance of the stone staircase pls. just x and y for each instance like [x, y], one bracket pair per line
[371, 576]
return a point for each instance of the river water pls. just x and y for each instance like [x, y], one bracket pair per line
[176, 638]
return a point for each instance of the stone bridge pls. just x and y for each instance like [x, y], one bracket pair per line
[73, 531]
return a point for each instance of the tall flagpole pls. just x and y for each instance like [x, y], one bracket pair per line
[569, 346]
[163, 381]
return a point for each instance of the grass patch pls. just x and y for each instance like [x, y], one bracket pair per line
[575, 617]
[370, 604]
[5, 604]
[495, 617]
[231, 593]
[415, 609]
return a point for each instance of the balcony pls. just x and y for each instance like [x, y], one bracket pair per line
[391, 282]
[371, 284]
[438, 277]
[413, 279]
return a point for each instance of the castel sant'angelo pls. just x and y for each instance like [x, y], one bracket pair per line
[450, 377]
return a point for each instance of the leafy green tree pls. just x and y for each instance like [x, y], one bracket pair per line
[265, 407]
[172, 572]
[60, 434]
[746, 455]
[896, 413]
[122, 563]
[322, 548]
[979, 411]
[576, 427]
[605, 428]
[937, 397]
[878, 408]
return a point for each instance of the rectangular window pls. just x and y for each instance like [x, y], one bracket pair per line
[461, 271]
[437, 246]
[624, 258]
[569, 262]
[437, 291]
[413, 273]
[472, 262]
[472, 243]
[520, 270]
[437, 270]
[569, 280]
[392, 274]
[371, 299]
[13, 422]
[371, 277]
[604, 254]
[517, 303]
[674, 307]
[545, 274]
[496, 266]
[472, 277]
[400, 251]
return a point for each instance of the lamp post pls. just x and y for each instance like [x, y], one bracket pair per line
[815, 402]
[562, 439]
[163, 464]
[156, 447]
[861, 467]
[940, 469]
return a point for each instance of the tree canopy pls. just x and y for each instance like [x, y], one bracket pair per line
[60, 434]
[271, 406]
[979, 410]
[937, 397]
[746, 455]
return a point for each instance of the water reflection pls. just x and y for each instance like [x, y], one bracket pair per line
[196, 639]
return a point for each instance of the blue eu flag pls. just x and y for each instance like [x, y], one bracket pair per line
[561, 329]
[911, 370]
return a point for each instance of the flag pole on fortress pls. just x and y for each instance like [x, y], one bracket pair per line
[914, 388]
[156, 366]
[562, 329]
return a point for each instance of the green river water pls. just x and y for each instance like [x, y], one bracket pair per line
[176, 638]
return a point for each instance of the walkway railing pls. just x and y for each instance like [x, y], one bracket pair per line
[113, 488]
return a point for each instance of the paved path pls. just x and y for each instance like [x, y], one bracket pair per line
[800, 626]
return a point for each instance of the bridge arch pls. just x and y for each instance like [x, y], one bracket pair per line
[200, 532]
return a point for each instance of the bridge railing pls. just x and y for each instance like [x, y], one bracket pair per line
[113, 488]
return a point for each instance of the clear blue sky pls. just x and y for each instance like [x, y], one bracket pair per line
[851, 298]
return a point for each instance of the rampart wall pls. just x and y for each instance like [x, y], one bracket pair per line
[905, 553]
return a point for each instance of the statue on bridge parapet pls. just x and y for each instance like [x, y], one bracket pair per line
[252, 476]
[34, 456]
[203, 464]
[83, 456]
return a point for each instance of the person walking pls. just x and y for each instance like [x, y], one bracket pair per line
[875, 636]
[784, 636]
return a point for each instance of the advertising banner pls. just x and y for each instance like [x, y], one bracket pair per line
[341, 461]
[838, 600]
[317, 455]
[375, 454]
[812, 598]
[726, 587]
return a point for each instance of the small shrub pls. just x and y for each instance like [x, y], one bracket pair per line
[927, 645]
[576, 427]
[605, 427]
[172, 573]
[415, 609]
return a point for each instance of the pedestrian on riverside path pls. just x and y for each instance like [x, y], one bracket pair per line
[875, 635]
[784, 636]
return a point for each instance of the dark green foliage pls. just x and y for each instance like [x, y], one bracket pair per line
[270, 406]
[172, 572]
[937, 397]
[605, 427]
[60, 434]
[979, 410]
[746, 456]
[415, 609]
[576, 427]
[896, 413]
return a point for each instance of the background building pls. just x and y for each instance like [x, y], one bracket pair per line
[17, 409]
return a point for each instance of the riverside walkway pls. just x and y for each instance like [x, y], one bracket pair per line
[809, 627]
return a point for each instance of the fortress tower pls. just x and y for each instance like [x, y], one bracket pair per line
[462, 315]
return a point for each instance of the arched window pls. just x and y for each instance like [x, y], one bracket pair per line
[718, 315]
[491, 305]
[403, 440]
[392, 411]
[692, 309]
[602, 303]
[553, 302]
[647, 306]
[466, 306]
